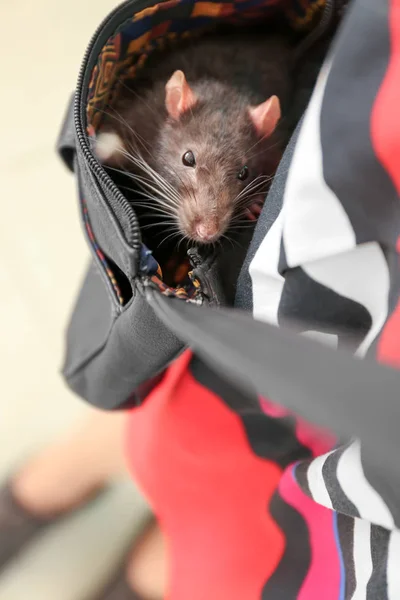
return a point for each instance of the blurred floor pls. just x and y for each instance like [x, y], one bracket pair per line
[43, 257]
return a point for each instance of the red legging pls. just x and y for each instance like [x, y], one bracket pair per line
[189, 453]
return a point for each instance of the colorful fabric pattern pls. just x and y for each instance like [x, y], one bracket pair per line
[100, 255]
[171, 20]
[188, 288]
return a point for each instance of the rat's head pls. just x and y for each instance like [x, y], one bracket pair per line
[215, 150]
[209, 159]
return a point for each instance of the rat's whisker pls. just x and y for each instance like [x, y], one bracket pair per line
[268, 148]
[159, 197]
[157, 179]
[149, 186]
[138, 96]
[156, 212]
[118, 117]
[229, 239]
[168, 191]
[249, 200]
[161, 224]
[171, 235]
[156, 176]
[256, 183]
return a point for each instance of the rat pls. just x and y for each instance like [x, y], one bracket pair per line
[201, 131]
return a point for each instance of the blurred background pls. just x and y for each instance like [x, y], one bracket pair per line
[43, 258]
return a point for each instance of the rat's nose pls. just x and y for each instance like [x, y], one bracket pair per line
[206, 231]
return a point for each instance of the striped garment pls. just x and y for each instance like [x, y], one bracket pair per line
[325, 259]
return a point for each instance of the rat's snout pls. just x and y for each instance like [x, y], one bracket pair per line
[206, 231]
[202, 219]
[202, 229]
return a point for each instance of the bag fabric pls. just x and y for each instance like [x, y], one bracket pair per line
[110, 357]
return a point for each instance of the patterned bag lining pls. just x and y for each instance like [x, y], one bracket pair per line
[127, 50]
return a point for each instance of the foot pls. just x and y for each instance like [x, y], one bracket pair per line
[147, 572]
[145, 575]
[70, 471]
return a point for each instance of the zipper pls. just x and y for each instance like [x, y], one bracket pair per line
[327, 18]
[106, 28]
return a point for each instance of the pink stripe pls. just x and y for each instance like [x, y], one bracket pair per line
[323, 577]
[319, 441]
[273, 410]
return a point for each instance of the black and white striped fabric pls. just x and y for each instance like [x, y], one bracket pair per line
[327, 263]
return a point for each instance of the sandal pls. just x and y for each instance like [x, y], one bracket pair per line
[18, 526]
[119, 589]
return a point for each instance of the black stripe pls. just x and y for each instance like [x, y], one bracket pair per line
[287, 579]
[270, 438]
[274, 438]
[377, 585]
[340, 502]
[301, 476]
[306, 305]
[345, 526]
[282, 261]
[386, 484]
[235, 398]
[350, 166]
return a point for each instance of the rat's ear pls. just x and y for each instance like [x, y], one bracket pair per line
[109, 148]
[265, 116]
[179, 96]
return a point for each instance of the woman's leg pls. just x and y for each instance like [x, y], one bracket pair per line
[69, 471]
[73, 468]
[147, 568]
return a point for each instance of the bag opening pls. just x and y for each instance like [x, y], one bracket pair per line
[123, 55]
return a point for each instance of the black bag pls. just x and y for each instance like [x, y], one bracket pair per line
[117, 345]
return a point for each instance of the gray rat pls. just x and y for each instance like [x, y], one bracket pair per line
[201, 129]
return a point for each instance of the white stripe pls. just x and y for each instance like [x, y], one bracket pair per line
[267, 282]
[316, 224]
[393, 567]
[361, 275]
[362, 558]
[351, 478]
[316, 481]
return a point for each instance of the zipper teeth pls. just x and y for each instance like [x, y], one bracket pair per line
[316, 34]
[133, 237]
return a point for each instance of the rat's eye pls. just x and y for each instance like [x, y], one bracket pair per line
[188, 159]
[243, 173]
